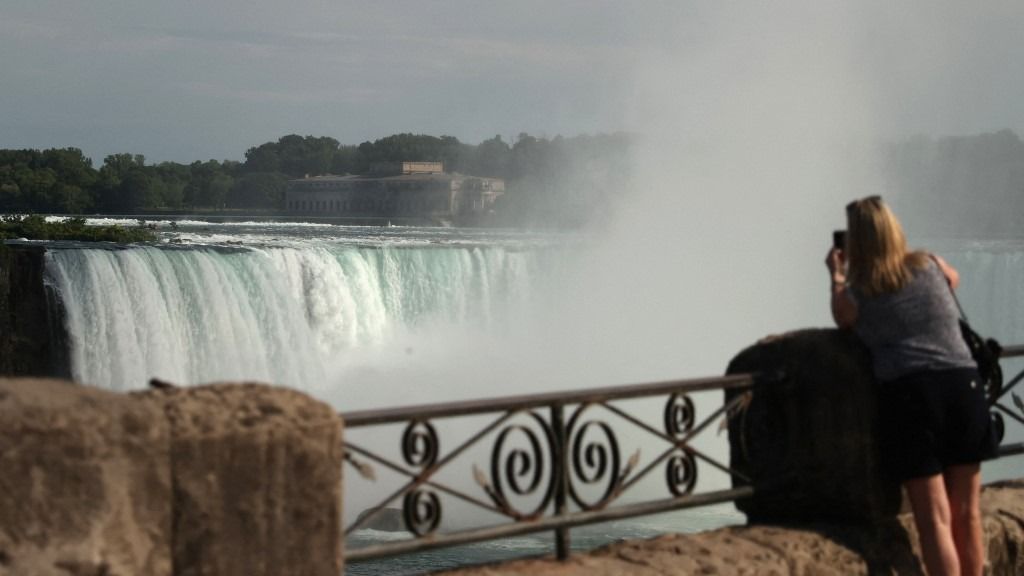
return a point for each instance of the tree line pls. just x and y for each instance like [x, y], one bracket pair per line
[557, 181]
[969, 186]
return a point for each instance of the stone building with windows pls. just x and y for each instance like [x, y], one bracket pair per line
[401, 192]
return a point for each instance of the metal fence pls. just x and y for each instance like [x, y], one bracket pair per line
[559, 452]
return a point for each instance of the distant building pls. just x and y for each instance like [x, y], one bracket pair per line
[402, 191]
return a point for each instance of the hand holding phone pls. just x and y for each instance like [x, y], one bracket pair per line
[839, 239]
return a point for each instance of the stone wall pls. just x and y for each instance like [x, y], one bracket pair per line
[234, 479]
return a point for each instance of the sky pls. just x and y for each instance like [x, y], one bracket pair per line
[189, 80]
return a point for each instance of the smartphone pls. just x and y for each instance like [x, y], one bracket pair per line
[839, 239]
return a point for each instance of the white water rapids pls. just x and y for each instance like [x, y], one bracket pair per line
[272, 314]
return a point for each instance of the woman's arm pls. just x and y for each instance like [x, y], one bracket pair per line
[844, 309]
[952, 276]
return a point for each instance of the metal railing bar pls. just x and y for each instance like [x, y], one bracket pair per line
[682, 443]
[1009, 385]
[668, 452]
[376, 509]
[1011, 449]
[721, 467]
[437, 485]
[479, 436]
[425, 475]
[647, 470]
[1010, 413]
[713, 417]
[547, 523]
[530, 401]
[1010, 351]
[639, 423]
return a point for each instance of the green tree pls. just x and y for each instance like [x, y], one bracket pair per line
[492, 158]
[263, 158]
[294, 156]
[258, 190]
[218, 190]
[114, 195]
[209, 184]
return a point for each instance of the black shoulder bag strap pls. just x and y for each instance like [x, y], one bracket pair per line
[985, 351]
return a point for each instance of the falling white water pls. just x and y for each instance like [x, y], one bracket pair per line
[279, 315]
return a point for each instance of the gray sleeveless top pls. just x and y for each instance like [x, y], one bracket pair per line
[913, 330]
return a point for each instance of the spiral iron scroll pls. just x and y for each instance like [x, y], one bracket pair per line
[419, 444]
[421, 508]
[681, 467]
[594, 462]
[680, 415]
[681, 472]
[522, 470]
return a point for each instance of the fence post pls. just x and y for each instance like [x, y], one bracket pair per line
[560, 470]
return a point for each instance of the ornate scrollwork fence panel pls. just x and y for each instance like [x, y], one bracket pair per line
[553, 461]
[1001, 409]
[543, 471]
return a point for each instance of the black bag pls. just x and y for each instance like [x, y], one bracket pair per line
[986, 352]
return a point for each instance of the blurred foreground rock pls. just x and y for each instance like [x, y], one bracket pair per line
[85, 481]
[809, 436]
[231, 479]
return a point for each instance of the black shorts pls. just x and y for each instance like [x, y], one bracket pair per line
[933, 420]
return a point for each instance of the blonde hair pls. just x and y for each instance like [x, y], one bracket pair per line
[876, 249]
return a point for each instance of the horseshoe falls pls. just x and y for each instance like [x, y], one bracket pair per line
[277, 314]
[393, 316]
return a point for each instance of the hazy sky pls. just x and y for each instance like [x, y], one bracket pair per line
[190, 80]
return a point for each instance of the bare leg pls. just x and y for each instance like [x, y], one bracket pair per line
[963, 485]
[930, 504]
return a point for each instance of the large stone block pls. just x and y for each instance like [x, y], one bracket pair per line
[809, 438]
[85, 482]
[257, 482]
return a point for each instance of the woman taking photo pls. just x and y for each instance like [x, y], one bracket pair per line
[935, 422]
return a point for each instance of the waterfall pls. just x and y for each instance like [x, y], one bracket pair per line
[992, 287]
[288, 314]
[270, 314]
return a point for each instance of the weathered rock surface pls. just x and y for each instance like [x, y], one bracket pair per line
[85, 481]
[230, 479]
[814, 431]
[825, 549]
[257, 481]
[32, 341]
